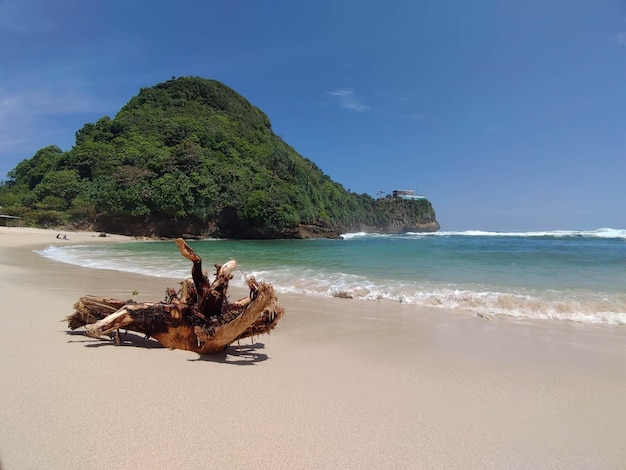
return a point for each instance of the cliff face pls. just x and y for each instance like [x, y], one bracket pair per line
[399, 216]
[138, 226]
[386, 216]
[397, 226]
[400, 226]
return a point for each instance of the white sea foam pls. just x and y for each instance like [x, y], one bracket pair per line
[96, 257]
[598, 233]
[349, 236]
[580, 306]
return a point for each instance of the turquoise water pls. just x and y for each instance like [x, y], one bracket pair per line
[561, 275]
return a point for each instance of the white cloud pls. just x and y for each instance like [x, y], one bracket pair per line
[348, 100]
[621, 39]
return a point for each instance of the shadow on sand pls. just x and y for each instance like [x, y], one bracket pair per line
[236, 354]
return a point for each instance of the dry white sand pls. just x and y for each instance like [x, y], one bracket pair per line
[339, 384]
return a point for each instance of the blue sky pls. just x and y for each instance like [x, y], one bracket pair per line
[507, 115]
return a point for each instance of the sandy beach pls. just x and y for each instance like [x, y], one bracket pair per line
[339, 384]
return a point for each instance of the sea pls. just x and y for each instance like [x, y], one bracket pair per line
[576, 276]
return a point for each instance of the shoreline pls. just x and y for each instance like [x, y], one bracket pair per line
[523, 287]
[340, 383]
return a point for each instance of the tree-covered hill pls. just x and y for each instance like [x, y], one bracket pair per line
[191, 155]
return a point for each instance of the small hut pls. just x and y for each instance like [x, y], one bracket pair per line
[8, 220]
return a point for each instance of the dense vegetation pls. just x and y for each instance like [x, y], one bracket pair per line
[192, 156]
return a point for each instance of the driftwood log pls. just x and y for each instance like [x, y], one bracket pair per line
[198, 317]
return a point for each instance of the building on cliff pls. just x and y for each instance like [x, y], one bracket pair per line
[407, 194]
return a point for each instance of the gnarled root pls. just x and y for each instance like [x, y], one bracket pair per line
[260, 316]
[197, 318]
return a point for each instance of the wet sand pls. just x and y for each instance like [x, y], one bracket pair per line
[339, 384]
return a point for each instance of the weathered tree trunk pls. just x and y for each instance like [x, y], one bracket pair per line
[199, 317]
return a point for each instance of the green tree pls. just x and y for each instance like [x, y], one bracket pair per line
[30, 172]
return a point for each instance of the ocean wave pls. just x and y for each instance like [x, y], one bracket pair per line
[99, 257]
[353, 235]
[578, 306]
[597, 233]
[583, 305]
